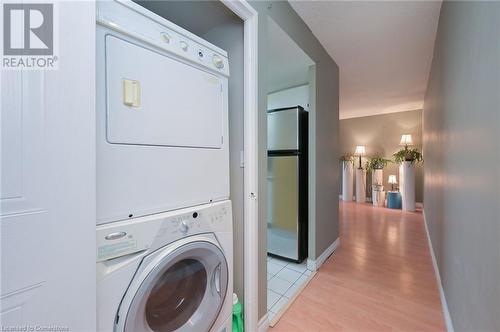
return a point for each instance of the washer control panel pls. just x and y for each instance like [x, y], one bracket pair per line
[132, 19]
[126, 237]
[210, 219]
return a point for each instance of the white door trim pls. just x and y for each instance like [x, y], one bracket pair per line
[251, 280]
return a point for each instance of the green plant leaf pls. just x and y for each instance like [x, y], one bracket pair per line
[376, 162]
[412, 155]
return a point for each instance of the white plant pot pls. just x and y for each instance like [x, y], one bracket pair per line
[347, 180]
[360, 185]
[378, 198]
[407, 185]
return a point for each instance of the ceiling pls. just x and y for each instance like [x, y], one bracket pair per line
[383, 49]
[287, 64]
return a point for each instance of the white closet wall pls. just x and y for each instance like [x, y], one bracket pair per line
[288, 98]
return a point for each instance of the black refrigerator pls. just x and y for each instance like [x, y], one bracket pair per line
[287, 183]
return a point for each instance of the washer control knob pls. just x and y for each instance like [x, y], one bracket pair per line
[184, 227]
[184, 46]
[165, 37]
[218, 62]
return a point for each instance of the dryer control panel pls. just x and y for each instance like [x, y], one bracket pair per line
[154, 231]
[144, 25]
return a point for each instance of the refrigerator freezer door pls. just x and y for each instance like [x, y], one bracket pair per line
[283, 130]
[283, 206]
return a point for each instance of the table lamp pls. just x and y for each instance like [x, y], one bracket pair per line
[392, 181]
[406, 140]
[360, 151]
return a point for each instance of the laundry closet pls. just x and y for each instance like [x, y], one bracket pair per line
[169, 141]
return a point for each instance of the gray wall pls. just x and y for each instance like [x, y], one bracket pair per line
[461, 146]
[324, 177]
[381, 135]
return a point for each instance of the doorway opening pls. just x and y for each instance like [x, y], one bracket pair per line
[290, 91]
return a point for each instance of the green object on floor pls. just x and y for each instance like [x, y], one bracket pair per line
[237, 315]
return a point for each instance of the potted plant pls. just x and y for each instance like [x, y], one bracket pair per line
[376, 165]
[410, 155]
[346, 159]
[347, 176]
[407, 158]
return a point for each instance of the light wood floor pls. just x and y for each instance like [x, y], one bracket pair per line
[380, 279]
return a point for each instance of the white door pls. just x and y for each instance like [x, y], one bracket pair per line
[48, 184]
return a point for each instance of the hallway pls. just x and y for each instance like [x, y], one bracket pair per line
[380, 278]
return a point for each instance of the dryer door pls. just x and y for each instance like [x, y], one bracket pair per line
[154, 99]
[184, 291]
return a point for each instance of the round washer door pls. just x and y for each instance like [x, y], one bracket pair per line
[183, 292]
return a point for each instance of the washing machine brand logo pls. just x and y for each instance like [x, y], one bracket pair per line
[29, 36]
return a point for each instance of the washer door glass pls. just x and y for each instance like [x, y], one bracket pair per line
[184, 291]
[176, 296]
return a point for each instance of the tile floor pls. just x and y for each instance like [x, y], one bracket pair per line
[284, 280]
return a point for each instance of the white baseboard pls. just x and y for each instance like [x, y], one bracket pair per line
[314, 265]
[263, 324]
[419, 205]
[444, 304]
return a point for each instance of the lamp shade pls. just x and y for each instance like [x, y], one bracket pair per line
[406, 140]
[392, 179]
[360, 150]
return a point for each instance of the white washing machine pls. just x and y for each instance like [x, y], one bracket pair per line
[162, 115]
[167, 272]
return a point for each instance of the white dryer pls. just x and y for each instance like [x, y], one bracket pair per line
[162, 115]
[167, 272]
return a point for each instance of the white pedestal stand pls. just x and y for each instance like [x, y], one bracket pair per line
[360, 185]
[407, 185]
[347, 180]
[378, 198]
[377, 176]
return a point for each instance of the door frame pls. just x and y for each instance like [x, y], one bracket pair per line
[250, 182]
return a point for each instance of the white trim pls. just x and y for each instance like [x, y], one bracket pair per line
[444, 304]
[251, 226]
[263, 325]
[314, 265]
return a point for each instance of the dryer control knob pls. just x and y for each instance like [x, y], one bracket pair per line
[184, 46]
[218, 62]
[165, 37]
[184, 227]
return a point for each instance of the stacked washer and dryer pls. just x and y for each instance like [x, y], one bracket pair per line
[164, 224]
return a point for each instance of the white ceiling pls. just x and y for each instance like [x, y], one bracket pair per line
[384, 50]
[287, 64]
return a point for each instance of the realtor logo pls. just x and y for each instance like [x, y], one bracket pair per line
[28, 36]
